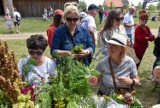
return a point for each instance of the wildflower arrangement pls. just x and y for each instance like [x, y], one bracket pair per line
[11, 82]
[126, 99]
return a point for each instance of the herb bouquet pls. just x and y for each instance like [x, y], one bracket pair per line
[124, 101]
[69, 89]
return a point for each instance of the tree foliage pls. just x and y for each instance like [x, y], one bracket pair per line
[158, 6]
[82, 6]
[151, 7]
[106, 7]
[139, 6]
[111, 6]
[100, 7]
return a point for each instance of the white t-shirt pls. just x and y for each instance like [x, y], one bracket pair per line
[16, 14]
[89, 21]
[128, 18]
[37, 73]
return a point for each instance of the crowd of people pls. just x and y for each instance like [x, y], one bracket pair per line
[47, 13]
[71, 28]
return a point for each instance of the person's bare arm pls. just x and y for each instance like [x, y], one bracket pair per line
[129, 25]
[128, 81]
[62, 53]
[91, 31]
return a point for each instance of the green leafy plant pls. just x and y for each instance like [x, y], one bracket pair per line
[71, 87]
[4, 102]
[77, 48]
[27, 67]
[43, 96]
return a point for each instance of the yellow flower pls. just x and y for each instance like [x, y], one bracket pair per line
[120, 97]
[107, 98]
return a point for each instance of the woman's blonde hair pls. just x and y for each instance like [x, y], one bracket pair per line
[70, 3]
[124, 52]
[70, 9]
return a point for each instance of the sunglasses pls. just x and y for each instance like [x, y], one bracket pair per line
[144, 19]
[119, 19]
[38, 53]
[72, 19]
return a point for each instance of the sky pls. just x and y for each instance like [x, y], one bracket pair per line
[98, 2]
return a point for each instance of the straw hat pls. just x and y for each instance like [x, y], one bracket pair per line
[118, 39]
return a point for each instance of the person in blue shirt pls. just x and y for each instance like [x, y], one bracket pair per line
[70, 35]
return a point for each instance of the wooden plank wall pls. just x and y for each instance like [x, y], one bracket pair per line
[34, 8]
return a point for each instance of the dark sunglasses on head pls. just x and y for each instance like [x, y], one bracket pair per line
[72, 19]
[144, 19]
[38, 53]
[119, 19]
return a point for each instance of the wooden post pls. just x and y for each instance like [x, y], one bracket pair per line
[9, 5]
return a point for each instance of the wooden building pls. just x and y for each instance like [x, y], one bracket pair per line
[32, 8]
[115, 3]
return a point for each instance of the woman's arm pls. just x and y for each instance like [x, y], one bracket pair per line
[89, 44]
[151, 36]
[135, 80]
[63, 52]
[129, 81]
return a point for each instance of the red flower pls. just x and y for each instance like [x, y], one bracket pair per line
[29, 89]
[128, 100]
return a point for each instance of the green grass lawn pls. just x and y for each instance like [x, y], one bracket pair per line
[28, 25]
[38, 25]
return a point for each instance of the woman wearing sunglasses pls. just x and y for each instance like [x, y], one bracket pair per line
[142, 36]
[36, 67]
[70, 35]
[112, 24]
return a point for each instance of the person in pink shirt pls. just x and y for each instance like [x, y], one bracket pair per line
[106, 14]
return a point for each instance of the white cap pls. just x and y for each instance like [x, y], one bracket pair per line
[83, 14]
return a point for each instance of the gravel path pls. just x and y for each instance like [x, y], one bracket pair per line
[26, 35]
[19, 36]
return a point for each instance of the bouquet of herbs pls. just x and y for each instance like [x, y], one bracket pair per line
[71, 88]
[126, 99]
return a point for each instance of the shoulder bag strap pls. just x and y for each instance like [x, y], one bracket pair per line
[83, 20]
[112, 73]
